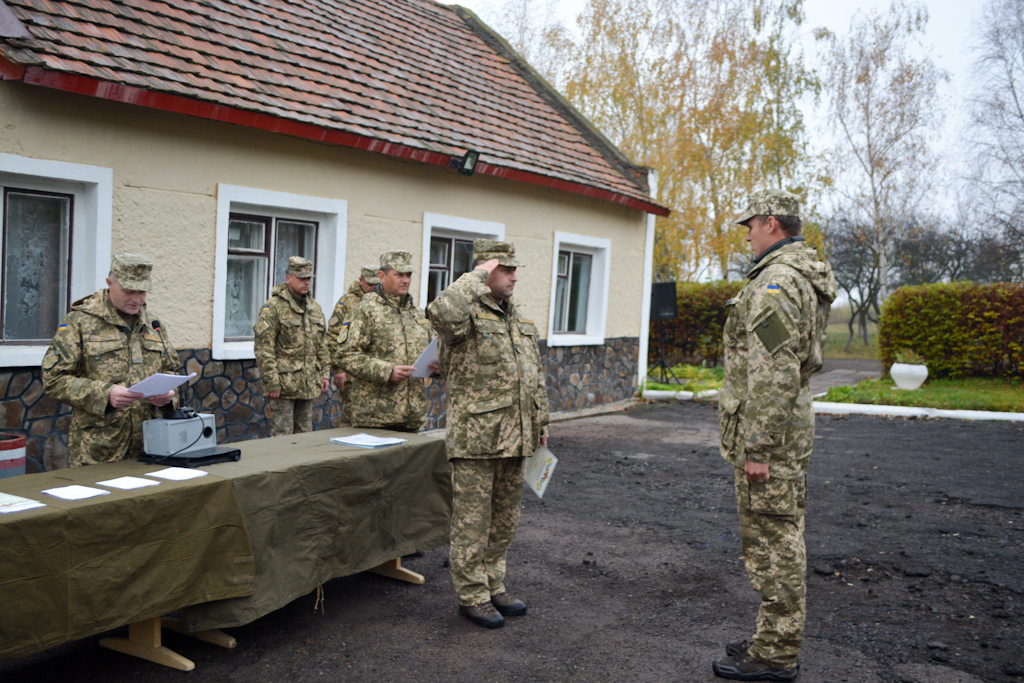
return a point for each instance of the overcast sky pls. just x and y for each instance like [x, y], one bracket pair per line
[950, 35]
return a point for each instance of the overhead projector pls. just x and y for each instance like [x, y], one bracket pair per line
[184, 438]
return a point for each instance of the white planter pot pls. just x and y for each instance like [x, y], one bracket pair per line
[908, 376]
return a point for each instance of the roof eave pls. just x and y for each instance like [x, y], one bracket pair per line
[85, 85]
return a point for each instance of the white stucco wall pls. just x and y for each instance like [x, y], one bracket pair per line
[167, 167]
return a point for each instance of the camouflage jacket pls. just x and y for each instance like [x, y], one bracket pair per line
[342, 309]
[773, 341]
[383, 332]
[291, 345]
[497, 400]
[93, 350]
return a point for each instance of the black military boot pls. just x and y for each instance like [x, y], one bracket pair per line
[508, 606]
[743, 667]
[483, 615]
[737, 647]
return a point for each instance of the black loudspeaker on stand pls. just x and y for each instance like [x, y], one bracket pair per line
[663, 307]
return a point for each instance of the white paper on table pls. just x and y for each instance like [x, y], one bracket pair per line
[366, 441]
[428, 356]
[11, 503]
[127, 483]
[539, 468]
[76, 492]
[177, 473]
[159, 384]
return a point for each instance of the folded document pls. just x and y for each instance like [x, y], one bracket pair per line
[366, 441]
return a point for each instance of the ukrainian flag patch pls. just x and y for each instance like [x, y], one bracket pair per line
[774, 289]
[62, 326]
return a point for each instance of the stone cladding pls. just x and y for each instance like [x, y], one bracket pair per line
[577, 377]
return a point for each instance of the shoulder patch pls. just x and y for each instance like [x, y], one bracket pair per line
[62, 326]
[772, 288]
[772, 332]
[261, 326]
[51, 358]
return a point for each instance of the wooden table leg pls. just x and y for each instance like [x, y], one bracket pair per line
[216, 636]
[394, 569]
[144, 642]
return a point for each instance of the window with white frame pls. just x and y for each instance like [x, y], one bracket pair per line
[450, 258]
[257, 230]
[448, 250]
[258, 245]
[580, 274]
[36, 264]
[55, 248]
[572, 290]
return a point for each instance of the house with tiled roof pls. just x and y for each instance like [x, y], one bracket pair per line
[221, 136]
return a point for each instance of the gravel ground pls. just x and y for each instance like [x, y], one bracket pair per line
[631, 567]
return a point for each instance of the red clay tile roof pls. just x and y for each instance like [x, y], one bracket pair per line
[411, 78]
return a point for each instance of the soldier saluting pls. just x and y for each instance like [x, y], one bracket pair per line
[291, 350]
[497, 414]
[107, 343]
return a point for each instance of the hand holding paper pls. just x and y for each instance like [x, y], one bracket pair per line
[159, 383]
[428, 356]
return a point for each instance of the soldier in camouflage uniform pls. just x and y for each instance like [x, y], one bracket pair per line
[773, 340]
[291, 350]
[107, 343]
[497, 415]
[342, 382]
[378, 344]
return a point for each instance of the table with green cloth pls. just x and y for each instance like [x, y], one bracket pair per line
[76, 568]
[232, 546]
[317, 510]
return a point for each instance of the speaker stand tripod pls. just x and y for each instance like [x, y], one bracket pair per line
[662, 364]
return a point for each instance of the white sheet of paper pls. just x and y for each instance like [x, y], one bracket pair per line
[177, 473]
[366, 441]
[428, 356]
[127, 483]
[11, 503]
[76, 492]
[159, 384]
[539, 468]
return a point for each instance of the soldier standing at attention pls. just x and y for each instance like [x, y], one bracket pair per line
[364, 285]
[497, 414]
[291, 350]
[107, 343]
[773, 341]
[378, 344]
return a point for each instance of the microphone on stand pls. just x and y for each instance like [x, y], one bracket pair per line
[176, 364]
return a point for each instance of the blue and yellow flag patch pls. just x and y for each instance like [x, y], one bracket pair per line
[774, 289]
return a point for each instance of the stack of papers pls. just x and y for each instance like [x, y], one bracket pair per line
[127, 483]
[75, 492]
[177, 473]
[9, 503]
[367, 441]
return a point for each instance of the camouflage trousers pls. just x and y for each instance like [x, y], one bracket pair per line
[486, 495]
[772, 537]
[290, 416]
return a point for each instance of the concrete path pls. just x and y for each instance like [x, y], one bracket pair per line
[841, 373]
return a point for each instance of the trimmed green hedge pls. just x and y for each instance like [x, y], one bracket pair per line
[960, 329]
[696, 334]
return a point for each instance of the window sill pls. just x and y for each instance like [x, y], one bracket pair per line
[21, 356]
[574, 340]
[237, 350]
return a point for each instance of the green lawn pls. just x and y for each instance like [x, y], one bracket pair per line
[838, 334]
[975, 393]
[694, 378]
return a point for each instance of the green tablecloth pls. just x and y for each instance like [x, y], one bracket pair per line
[75, 568]
[316, 511]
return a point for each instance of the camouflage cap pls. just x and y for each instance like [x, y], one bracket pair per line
[771, 203]
[505, 252]
[132, 271]
[300, 267]
[397, 260]
[369, 273]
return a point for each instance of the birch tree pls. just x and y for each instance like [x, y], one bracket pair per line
[884, 109]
